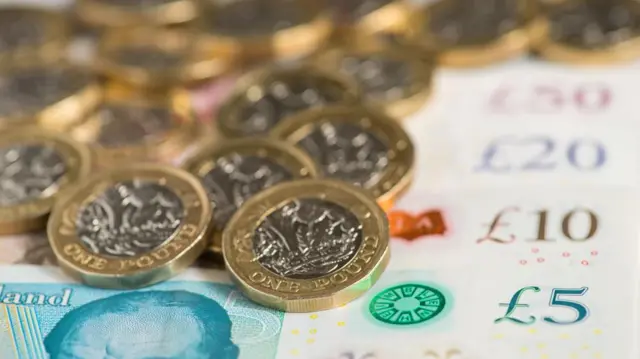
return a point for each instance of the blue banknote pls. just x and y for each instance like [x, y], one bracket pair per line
[173, 320]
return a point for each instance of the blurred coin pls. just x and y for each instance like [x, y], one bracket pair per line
[592, 32]
[36, 167]
[480, 32]
[307, 245]
[131, 227]
[358, 145]
[392, 78]
[156, 58]
[128, 13]
[132, 126]
[238, 169]
[369, 17]
[263, 97]
[51, 96]
[31, 35]
[265, 29]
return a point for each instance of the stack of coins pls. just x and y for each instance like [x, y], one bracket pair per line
[286, 183]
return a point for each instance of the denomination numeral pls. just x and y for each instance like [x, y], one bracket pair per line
[549, 99]
[581, 310]
[580, 154]
[567, 228]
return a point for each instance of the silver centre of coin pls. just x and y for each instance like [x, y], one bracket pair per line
[149, 58]
[382, 79]
[474, 22]
[25, 93]
[347, 152]
[29, 172]
[593, 24]
[235, 179]
[122, 125]
[130, 219]
[19, 28]
[279, 99]
[307, 238]
[255, 17]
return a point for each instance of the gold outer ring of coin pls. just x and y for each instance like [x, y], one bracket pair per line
[422, 76]
[63, 113]
[225, 119]
[32, 215]
[199, 65]
[507, 46]
[296, 161]
[619, 53]
[97, 13]
[53, 44]
[397, 176]
[166, 147]
[173, 256]
[307, 295]
[391, 18]
[287, 43]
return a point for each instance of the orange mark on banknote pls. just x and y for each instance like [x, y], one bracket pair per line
[408, 226]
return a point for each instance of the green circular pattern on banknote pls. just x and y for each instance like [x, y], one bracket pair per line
[407, 304]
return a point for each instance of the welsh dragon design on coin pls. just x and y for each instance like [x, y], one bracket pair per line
[347, 152]
[129, 219]
[28, 172]
[307, 238]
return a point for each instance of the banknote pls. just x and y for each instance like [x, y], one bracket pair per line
[200, 315]
[433, 314]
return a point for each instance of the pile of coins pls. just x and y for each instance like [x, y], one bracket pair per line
[286, 183]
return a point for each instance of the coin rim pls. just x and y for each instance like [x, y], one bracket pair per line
[166, 147]
[250, 215]
[397, 176]
[257, 77]
[296, 161]
[401, 108]
[393, 17]
[557, 51]
[33, 215]
[199, 65]
[105, 15]
[60, 115]
[510, 45]
[294, 41]
[51, 47]
[66, 211]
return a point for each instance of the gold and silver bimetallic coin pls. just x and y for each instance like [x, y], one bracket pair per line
[132, 126]
[396, 80]
[307, 245]
[592, 32]
[51, 96]
[130, 13]
[237, 169]
[265, 96]
[36, 168]
[265, 29]
[358, 145]
[29, 35]
[370, 17]
[158, 58]
[480, 32]
[131, 227]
